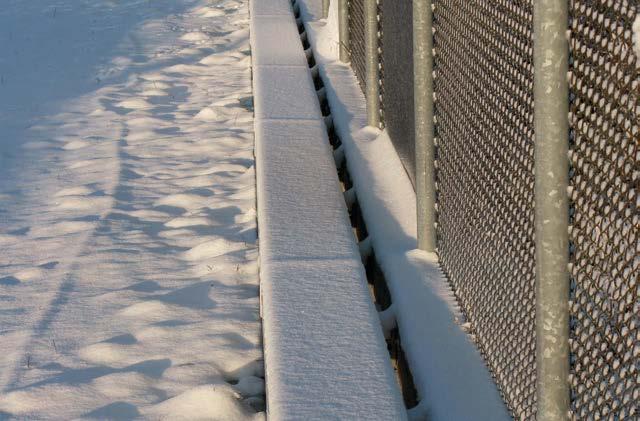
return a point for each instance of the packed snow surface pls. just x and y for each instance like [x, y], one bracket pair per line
[128, 262]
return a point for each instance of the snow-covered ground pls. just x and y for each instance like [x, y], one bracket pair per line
[128, 251]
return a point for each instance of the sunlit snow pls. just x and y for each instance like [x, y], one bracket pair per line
[128, 268]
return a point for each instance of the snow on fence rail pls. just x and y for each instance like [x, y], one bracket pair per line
[490, 61]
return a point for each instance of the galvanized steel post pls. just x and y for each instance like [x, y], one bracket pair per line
[372, 91]
[424, 124]
[551, 207]
[325, 8]
[343, 30]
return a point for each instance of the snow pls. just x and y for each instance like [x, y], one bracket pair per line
[313, 282]
[270, 8]
[294, 149]
[285, 92]
[325, 355]
[129, 274]
[449, 373]
[207, 402]
[275, 40]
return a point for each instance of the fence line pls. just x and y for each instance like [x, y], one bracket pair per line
[396, 92]
[491, 163]
[604, 143]
[485, 182]
[356, 29]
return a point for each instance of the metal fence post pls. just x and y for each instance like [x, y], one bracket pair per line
[343, 30]
[551, 127]
[325, 9]
[424, 127]
[372, 93]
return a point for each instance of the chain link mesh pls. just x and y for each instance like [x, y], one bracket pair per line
[356, 18]
[485, 183]
[396, 76]
[605, 222]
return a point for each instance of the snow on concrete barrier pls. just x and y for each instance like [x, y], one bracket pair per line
[325, 354]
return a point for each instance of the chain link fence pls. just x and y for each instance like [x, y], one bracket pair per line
[396, 77]
[483, 61]
[484, 134]
[605, 222]
[355, 13]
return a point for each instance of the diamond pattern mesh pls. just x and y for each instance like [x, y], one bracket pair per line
[483, 85]
[484, 137]
[605, 222]
[356, 39]
[396, 77]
